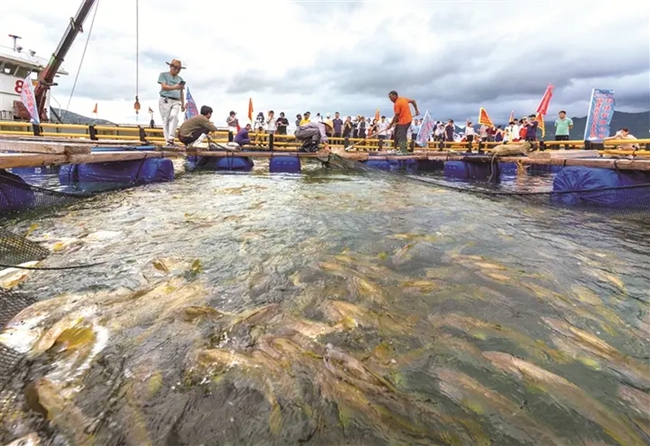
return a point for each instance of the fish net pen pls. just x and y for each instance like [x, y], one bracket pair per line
[17, 195]
[14, 251]
[630, 199]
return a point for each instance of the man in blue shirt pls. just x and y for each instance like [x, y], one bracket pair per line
[172, 99]
[338, 125]
[531, 128]
[242, 137]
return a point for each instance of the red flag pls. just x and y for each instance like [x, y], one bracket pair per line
[95, 109]
[250, 109]
[542, 108]
[483, 118]
[377, 115]
[512, 116]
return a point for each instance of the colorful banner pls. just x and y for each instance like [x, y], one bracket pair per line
[542, 108]
[29, 101]
[190, 106]
[483, 118]
[250, 110]
[599, 118]
[426, 130]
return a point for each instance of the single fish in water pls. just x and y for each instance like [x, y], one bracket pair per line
[28, 440]
[11, 277]
[632, 371]
[46, 397]
[567, 394]
[469, 393]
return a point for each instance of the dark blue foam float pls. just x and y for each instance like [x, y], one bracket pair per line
[409, 165]
[285, 164]
[231, 163]
[430, 165]
[15, 193]
[588, 186]
[132, 172]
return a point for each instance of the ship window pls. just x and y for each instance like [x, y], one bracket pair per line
[23, 72]
[9, 68]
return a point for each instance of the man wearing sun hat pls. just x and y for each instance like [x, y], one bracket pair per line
[313, 133]
[172, 99]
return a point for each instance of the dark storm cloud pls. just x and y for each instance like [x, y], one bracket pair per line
[466, 66]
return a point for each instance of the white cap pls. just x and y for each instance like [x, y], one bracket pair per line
[327, 115]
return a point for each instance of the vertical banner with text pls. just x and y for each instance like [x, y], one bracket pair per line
[599, 118]
[29, 100]
[426, 130]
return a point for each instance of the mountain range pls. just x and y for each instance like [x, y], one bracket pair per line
[68, 117]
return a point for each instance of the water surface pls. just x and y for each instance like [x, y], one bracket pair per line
[336, 307]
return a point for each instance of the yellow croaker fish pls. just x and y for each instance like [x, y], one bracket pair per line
[346, 366]
[639, 400]
[62, 413]
[471, 394]
[624, 365]
[482, 330]
[28, 440]
[11, 277]
[403, 255]
[568, 395]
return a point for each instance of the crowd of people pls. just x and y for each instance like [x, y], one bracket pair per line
[312, 132]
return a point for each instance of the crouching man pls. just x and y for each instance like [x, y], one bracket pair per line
[194, 130]
[312, 134]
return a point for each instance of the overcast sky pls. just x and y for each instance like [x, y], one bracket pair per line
[452, 57]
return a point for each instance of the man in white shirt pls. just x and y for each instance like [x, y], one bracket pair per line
[483, 133]
[624, 133]
[511, 132]
[270, 123]
[469, 135]
[382, 127]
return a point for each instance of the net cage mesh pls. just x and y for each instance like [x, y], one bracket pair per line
[633, 200]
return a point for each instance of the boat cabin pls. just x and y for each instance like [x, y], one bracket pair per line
[15, 65]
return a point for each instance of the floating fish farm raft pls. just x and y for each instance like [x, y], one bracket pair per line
[133, 155]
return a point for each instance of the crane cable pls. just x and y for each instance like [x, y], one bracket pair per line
[83, 55]
[136, 105]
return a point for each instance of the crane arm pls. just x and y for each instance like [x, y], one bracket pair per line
[46, 77]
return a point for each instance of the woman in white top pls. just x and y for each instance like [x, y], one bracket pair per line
[469, 134]
[271, 126]
[511, 133]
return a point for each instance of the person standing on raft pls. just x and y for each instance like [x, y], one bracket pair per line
[313, 133]
[194, 130]
[172, 99]
[402, 119]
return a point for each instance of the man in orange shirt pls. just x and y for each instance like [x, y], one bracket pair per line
[403, 119]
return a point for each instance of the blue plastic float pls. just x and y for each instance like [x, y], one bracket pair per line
[410, 165]
[284, 164]
[573, 185]
[231, 163]
[143, 171]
